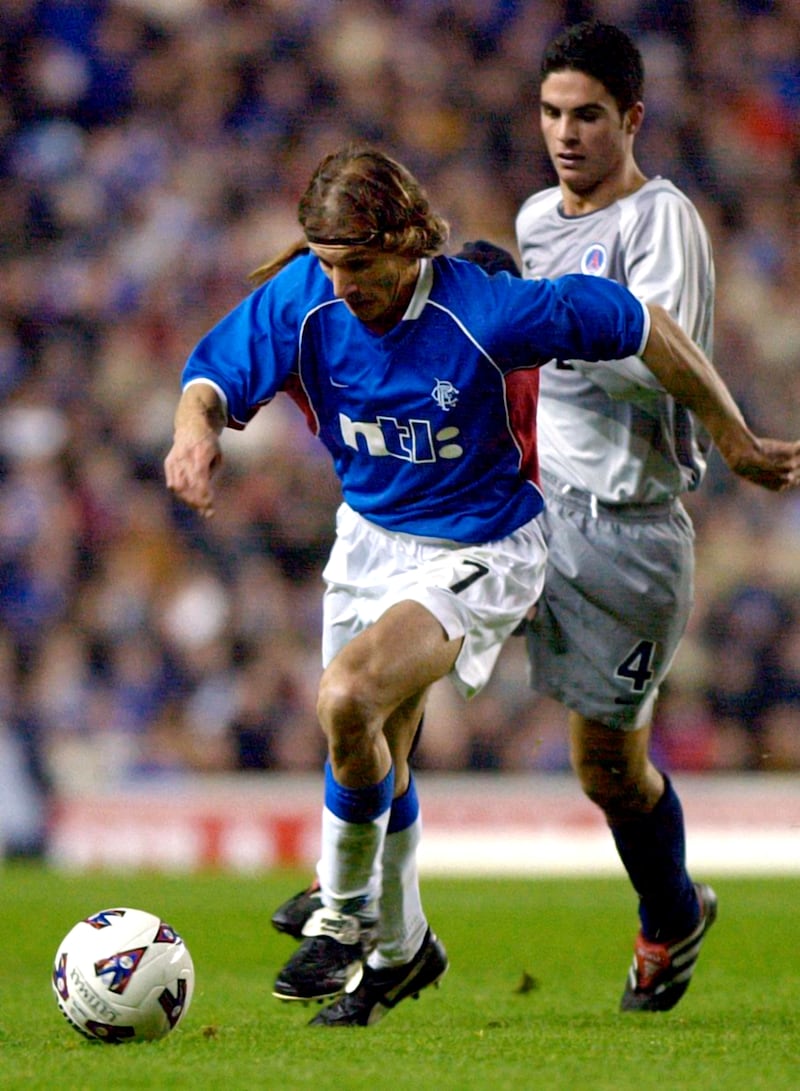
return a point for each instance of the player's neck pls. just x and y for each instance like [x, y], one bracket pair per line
[605, 193]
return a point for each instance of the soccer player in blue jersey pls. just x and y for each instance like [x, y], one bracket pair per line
[419, 374]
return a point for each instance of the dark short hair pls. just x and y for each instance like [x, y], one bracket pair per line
[601, 51]
[492, 258]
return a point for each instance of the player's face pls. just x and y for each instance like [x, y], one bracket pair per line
[589, 141]
[376, 286]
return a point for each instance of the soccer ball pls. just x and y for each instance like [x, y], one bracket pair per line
[123, 975]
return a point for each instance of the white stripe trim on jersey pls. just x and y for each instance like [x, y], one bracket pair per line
[223, 397]
[422, 291]
[646, 334]
[309, 400]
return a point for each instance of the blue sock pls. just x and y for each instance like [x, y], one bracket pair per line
[358, 805]
[405, 808]
[653, 850]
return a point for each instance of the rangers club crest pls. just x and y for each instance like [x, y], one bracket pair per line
[445, 394]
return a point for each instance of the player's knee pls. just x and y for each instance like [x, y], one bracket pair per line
[343, 710]
[619, 791]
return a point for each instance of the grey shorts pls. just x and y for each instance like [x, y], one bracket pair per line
[618, 592]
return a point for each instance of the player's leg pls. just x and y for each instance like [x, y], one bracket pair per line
[407, 957]
[483, 596]
[291, 916]
[377, 679]
[602, 648]
[645, 816]
[444, 611]
[614, 768]
[402, 921]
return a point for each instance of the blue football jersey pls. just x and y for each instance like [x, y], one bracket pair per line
[431, 426]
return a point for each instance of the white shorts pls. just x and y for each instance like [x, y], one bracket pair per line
[478, 592]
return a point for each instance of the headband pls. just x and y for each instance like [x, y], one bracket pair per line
[358, 240]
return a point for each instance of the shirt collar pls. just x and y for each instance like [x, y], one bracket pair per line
[422, 291]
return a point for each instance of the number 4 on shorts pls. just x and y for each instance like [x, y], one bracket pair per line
[636, 667]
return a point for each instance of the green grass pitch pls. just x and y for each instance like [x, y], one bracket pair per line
[570, 940]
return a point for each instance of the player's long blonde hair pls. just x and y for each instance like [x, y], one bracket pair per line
[359, 196]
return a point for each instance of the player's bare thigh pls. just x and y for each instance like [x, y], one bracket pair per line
[379, 678]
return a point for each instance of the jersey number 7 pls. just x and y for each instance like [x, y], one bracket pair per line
[480, 569]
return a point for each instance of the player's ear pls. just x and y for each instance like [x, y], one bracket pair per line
[633, 118]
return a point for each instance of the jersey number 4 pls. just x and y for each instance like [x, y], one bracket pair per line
[636, 668]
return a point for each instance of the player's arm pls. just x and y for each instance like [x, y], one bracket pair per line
[688, 375]
[196, 454]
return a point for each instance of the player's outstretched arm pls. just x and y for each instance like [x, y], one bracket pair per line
[685, 371]
[195, 454]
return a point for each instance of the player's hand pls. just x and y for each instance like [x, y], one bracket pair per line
[190, 467]
[773, 463]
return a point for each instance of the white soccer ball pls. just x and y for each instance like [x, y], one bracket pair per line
[123, 975]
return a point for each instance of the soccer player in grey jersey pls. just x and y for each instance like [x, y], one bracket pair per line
[616, 453]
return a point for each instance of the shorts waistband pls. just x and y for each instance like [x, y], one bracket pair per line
[587, 501]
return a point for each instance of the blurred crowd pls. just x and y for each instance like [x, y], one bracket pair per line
[152, 154]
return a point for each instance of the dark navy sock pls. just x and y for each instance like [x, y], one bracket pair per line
[653, 850]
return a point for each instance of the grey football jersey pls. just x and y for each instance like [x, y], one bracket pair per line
[610, 428]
